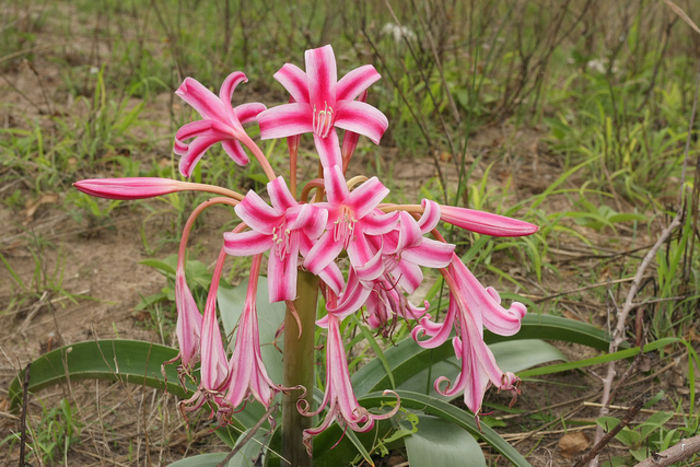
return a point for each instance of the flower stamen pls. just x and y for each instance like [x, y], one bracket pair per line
[344, 226]
[322, 120]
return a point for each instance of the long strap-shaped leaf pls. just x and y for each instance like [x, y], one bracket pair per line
[115, 360]
[407, 358]
[452, 414]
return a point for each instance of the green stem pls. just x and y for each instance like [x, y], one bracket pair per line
[299, 368]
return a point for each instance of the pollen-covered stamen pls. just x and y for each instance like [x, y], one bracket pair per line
[344, 226]
[322, 120]
[280, 240]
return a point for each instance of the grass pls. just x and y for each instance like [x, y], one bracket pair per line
[573, 115]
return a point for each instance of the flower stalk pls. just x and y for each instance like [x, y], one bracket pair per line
[298, 368]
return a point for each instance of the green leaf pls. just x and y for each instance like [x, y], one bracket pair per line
[654, 422]
[203, 460]
[620, 355]
[440, 443]
[270, 318]
[451, 414]
[115, 360]
[541, 326]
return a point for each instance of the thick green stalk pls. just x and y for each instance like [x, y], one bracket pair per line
[299, 368]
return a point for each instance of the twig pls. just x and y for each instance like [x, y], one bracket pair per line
[683, 450]
[23, 421]
[593, 453]
[248, 436]
[619, 331]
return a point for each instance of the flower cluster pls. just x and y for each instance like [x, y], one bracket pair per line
[369, 254]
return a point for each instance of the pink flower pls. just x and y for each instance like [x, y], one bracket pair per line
[221, 122]
[406, 249]
[352, 216]
[281, 229]
[471, 308]
[248, 373]
[339, 397]
[397, 261]
[129, 187]
[323, 103]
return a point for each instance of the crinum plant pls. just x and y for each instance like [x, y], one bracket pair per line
[339, 236]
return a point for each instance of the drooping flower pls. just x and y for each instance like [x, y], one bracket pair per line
[214, 370]
[472, 307]
[323, 103]
[221, 122]
[278, 229]
[248, 374]
[339, 397]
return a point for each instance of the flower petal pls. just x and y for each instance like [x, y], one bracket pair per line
[336, 186]
[189, 320]
[328, 149]
[201, 128]
[257, 214]
[352, 299]
[229, 85]
[202, 99]
[431, 216]
[332, 277]
[430, 253]
[496, 318]
[235, 151]
[362, 118]
[280, 196]
[355, 82]
[325, 250]
[282, 273]
[246, 243]
[247, 113]
[367, 196]
[322, 75]
[285, 120]
[409, 275]
[379, 223]
[294, 81]
[195, 151]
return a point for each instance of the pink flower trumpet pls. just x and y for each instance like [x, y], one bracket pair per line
[248, 374]
[339, 397]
